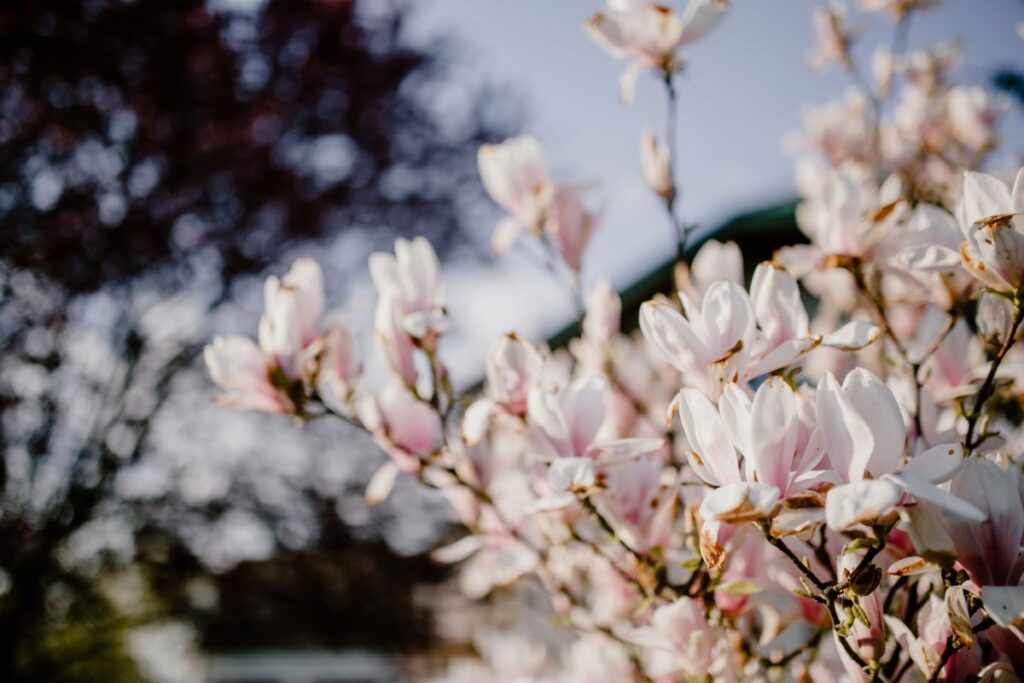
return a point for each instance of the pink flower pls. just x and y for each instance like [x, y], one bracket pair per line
[339, 369]
[514, 366]
[292, 307]
[515, 175]
[649, 34]
[865, 439]
[238, 366]
[406, 427]
[568, 226]
[993, 229]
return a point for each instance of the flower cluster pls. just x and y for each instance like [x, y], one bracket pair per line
[817, 474]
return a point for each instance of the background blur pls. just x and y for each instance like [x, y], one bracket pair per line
[158, 159]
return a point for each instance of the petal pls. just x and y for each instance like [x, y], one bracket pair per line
[848, 439]
[773, 432]
[743, 502]
[699, 17]
[861, 502]
[875, 403]
[627, 82]
[945, 502]
[938, 464]
[711, 451]
[458, 551]
[1005, 604]
[930, 257]
[669, 332]
[984, 196]
[571, 474]
[853, 336]
[507, 233]
[381, 484]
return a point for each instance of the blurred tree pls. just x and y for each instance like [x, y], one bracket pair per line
[151, 147]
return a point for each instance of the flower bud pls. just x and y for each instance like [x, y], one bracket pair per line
[657, 166]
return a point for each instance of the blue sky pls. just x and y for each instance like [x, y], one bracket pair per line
[741, 95]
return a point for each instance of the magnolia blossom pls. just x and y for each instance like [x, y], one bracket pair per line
[864, 437]
[264, 377]
[993, 229]
[238, 366]
[514, 366]
[789, 524]
[406, 427]
[766, 433]
[680, 639]
[410, 311]
[515, 175]
[649, 34]
[292, 307]
[833, 34]
[730, 338]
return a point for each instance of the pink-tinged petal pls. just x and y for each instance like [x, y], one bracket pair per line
[411, 424]
[773, 432]
[938, 464]
[933, 258]
[734, 407]
[569, 226]
[853, 336]
[513, 367]
[861, 502]
[716, 261]
[777, 304]
[620, 450]
[984, 196]
[572, 474]
[305, 280]
[672, 335]
[941, 500]
[988, 550]
[339, 369]
[1005, 604]
[476, 421]
[421, 273]
[237, 366]
[583, 406]
[813, 452]
[699, 17]
[727, 316]
[742, 502]
[848, 438]
[711, 452]
[782, 356]
[875, 403]
[394, 342]
[927, 533]
[545, 415]
[515, 175]
[648, 33]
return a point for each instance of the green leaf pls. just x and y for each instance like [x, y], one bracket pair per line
[691, 564]
[740, 587]
[859, 543]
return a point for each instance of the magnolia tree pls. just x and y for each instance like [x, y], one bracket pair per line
[817, 476]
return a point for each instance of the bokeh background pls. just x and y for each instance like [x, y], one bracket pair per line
[158, 159]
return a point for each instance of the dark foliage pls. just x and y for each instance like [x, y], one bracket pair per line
[152, 143]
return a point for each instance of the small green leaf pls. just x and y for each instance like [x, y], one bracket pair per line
[691, 564]
[740, 587]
